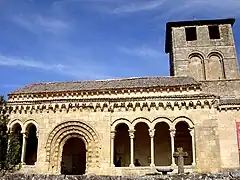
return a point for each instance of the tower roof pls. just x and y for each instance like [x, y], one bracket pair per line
[169, 25]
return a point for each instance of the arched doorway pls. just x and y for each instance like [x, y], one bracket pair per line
[163, 155]
[17, 139]
[142, 145]
[183, 139]
[73, 157]
[31, 147]
[122, 146]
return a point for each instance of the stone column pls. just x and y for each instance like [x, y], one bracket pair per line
[112, 148]
[172, 134]
[24, 144]
[151, 134]
[131, 135]
[192, 133]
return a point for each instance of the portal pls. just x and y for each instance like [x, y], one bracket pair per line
[73, 157]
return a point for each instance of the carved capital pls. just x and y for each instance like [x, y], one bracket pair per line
[191, 131]
[131, 133]
[151, 132]
[25, 134]
[113, 134]
[172, 132]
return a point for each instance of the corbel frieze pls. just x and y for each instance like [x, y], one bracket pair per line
[144, 105]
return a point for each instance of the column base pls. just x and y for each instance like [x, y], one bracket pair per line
[193, 164]
[152, 165]
[173, 166]
[131, 165]
[112, 165]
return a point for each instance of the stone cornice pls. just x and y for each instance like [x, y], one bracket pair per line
[117, 104]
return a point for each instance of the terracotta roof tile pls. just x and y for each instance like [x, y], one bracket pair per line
[126, 83]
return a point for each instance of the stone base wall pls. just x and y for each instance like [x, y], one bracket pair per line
[232, 175]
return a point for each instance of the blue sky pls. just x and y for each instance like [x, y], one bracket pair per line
[68, 40]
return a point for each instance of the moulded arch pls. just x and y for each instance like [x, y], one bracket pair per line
[162, 119]
[220, 62]
[28, 123]
[143, 120]
[120, 121]
[183, 119]
[65, 129]
[215, 53]
[196, 53]
[11, 124]
[196, 65]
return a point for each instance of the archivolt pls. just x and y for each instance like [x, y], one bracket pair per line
[66, 129]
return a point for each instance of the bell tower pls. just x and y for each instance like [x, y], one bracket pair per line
[202, 49]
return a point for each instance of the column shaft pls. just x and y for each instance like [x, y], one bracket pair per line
[112, 149]
[24, 143]
[172, 134]
[131, 134]
[192, 133]
[151, 134]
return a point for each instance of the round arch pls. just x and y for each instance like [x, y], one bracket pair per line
[162, 119]
[143, 120]
[11, 124]
[215, 53]
[120, 121]
[196, 53]
[183, 119]
[28, 123]
[64, 131]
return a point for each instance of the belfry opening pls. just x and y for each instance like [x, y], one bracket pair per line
[73, 157]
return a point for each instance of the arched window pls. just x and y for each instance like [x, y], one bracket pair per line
[215, 67]
[196, 67]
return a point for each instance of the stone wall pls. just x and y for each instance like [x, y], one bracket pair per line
[219, 176]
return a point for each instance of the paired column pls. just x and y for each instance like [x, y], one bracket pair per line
[151, 134]
[172, 135]
[112, 148]
[192, 133]
[131, 135]
[24, 143]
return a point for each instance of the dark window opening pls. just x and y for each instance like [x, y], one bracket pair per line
[214, 32]
[191, 33]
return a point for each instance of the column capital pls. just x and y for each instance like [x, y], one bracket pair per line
[172, 132]
[25, 134]
[113, 133]
[151, 132]
[37, 134]
[131, 133]
[191, 131]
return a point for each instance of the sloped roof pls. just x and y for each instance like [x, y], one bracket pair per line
[229, 101]
[89, 85]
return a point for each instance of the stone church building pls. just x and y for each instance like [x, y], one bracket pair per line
[132, 126]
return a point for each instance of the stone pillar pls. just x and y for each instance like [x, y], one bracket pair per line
[24, 144]
[131, 135]
[151, 134]
[112, 149]
[172, 135]
[192, 133]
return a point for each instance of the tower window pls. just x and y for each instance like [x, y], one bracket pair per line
[191, 33]
[214, 32]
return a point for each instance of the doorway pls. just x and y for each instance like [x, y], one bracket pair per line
[73, 157]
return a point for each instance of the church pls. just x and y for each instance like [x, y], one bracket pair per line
[132, 126]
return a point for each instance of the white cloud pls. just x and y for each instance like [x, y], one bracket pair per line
[83, 72]
[136, 7]
[38, 24]
[142, 51]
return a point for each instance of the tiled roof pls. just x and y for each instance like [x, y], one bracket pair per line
[230, 102]
[126, 83]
